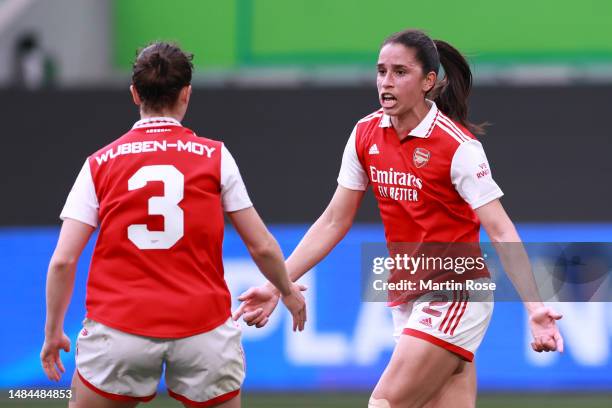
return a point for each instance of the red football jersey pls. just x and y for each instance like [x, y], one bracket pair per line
[157, 269]
[427, 185]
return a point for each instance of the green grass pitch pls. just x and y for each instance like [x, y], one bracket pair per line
[322, 400]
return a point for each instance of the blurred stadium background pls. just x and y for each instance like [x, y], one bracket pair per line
[282, 84]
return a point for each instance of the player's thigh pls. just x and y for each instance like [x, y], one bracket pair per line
[436, 333]
[207, 368]
[459, 391]
[83, 397]
[417, 370]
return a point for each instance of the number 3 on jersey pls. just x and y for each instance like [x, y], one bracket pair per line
[167, 206]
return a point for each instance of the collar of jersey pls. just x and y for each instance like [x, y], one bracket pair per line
[156, 122]
[423, 129]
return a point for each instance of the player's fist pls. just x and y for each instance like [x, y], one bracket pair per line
[50, 356]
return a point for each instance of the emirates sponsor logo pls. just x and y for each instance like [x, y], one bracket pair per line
[397, 185]
[394, 177]
[420, 157]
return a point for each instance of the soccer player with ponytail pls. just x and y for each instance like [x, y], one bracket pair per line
[433, 184]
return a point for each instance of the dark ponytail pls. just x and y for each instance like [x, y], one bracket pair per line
[451, 93]
[159, 73]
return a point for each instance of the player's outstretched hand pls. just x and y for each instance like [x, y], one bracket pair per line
[258, 303]
[50, 356]
[546, 336]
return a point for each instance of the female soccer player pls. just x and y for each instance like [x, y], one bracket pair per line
[433, 184]
[156, 294]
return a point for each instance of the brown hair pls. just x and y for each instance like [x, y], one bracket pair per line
[159, 73]
[451, 93]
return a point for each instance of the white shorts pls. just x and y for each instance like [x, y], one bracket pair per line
[204, 369]
[448, 319]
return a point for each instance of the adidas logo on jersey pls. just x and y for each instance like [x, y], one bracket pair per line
[373, 149]
[426, 321]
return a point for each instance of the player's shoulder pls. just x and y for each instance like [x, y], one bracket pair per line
[203, 139]
[451, 131]
[365, 125]
[214, 148]
[371, 118]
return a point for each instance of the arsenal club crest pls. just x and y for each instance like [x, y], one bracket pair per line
[420, 157]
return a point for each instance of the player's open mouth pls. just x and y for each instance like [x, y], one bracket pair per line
[387, 100]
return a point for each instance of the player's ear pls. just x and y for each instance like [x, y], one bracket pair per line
[135, 96]
[429, 82]
[185, 94]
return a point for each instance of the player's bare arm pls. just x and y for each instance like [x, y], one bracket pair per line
[499, 227]
[321, 238]
[267, 255]
[326, 232]
[60, 282]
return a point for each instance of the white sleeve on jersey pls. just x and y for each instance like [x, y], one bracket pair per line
[352, 175]
[471, 175]
[234, 195]
[82, 202]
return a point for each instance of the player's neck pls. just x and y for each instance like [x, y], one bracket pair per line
[164, 114]
[407, 121]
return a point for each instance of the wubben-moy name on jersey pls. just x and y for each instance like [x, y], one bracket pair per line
[147, 146]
